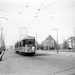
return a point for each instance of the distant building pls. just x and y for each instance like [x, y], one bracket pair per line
[71, 42]
[48, 43]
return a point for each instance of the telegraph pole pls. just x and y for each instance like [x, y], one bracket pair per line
[36, 40]
[2, 39]
[57, 39]
[73, 38]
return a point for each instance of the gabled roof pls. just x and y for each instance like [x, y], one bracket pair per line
[48, 38]
[71, 38]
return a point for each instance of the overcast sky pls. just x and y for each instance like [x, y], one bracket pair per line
[39, 16]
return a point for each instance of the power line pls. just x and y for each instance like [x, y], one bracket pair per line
[43, 4]
[31, 22]
[27, 2]
[62, 9]
[23, 10]
[40, 7]
[36, 14]
[24, 7]
[57, 11]
[46, 6]
[27, 6]
[19, 12]
[51, 5]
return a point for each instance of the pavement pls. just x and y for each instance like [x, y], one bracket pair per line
[71, 54]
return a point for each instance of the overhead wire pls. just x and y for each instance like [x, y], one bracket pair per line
[36, 15]
[18, 13]
[45, 7]
[30, 22]
[27, 2]
[38, 12]
[22, 10]
[40, 8]
[27, 5]
[24, 7]
[56, 11]
[50, 5]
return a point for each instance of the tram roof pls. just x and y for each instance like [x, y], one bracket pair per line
[29, 37]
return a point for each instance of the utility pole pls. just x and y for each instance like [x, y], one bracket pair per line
[36, 40]
[73, 37]
[1, 37]
[48, 45]
[57, 39]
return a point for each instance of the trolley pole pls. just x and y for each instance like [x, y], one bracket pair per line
[21, 34]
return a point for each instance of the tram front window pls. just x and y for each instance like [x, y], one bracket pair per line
[30, 42]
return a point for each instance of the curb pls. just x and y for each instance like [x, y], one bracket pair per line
[70, 54]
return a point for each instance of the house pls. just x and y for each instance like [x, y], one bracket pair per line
[48, 43]
[71, 42]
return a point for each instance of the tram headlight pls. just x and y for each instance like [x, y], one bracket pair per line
[26, 45]
[33, 48]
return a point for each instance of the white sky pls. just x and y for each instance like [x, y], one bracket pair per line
[53, 14]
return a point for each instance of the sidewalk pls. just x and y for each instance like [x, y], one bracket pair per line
[59, 53]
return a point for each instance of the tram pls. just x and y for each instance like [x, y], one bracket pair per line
[26, 46]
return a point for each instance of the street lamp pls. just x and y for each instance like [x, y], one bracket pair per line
[57, 39]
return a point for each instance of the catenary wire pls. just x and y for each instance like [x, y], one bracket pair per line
[56, 11]
[45, 7]
[24, 7]
[50, 5]
[40, 7]
[36, 15]
[31, 22]
[18, 13]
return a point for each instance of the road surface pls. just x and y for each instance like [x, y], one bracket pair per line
[43, 63]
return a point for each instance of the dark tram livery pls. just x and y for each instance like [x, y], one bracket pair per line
[26, 46]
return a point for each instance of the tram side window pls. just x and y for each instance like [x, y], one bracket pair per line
[20, 44]
[17, 45]
[24, 42]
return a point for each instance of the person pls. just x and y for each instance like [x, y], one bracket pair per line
[1, 55]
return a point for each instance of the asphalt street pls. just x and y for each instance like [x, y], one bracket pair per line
[43, 63]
